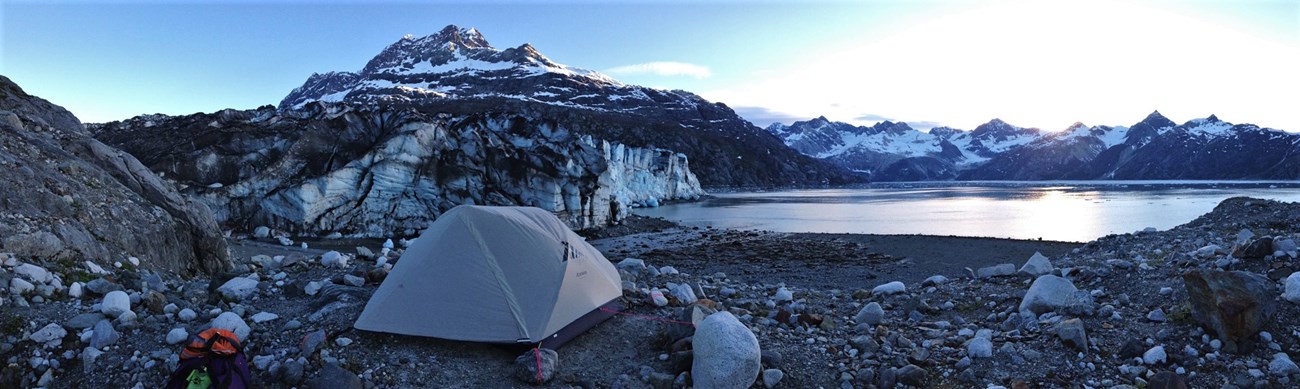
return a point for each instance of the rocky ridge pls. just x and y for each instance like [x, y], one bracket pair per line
[71, 198]
[1119, 312]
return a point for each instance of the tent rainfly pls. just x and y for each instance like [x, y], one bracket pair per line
[496, 275]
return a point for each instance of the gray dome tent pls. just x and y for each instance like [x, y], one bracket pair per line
[498, 275]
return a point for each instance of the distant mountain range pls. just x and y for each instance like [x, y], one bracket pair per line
[1155, 148]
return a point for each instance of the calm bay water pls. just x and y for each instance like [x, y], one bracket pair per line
[1064, 211]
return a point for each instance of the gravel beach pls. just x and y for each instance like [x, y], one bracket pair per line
[827, 310]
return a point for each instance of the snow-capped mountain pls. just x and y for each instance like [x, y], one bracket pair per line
[456, 71]
[1154, 148]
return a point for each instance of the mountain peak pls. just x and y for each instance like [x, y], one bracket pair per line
[463, 37]
[1156, 120]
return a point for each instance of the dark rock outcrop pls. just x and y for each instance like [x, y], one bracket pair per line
[68, 197]
[1235, 305]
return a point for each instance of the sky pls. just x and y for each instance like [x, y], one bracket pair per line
[1044, 64]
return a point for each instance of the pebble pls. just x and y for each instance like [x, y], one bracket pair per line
[103, 335]
[1282, 365]
[231, 321]
[354, 280]
[115, 303]
[783, 294]
[187, 315]
[889, 288]
[177, 335]
[262, 317]
[980, 348]
[19, 286]
[343, 342]
[1157, 315]
[772, 377]
[1155, 355]
[871, 314]
[48, 333]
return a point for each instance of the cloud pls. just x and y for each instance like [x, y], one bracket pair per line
[923, 125]
[871, 117]
[664, 68]
[763, 117]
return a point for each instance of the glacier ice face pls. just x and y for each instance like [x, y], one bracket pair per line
[377, 173]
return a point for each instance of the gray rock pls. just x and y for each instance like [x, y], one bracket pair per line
[912, 375]
[292, 325]
[1157, 315]
[934, 280]
[632, 265]
[865, 344]
[772, 377]
[354, 280]
[537, 366]
[1291, 291]
[1046, 294]
[311, 343]
[238, 288]
[48, 333]
[1167, 380]
[334, 377]
[727, 354]
[262, 317]
[1002, 270]
[88, 357]
[33, 273]
[1155, 355]
[20, 287]
[980, 347]
[291, 372]
[1072, 333]
[1286, 246]
[871, 314]
[1282, 365]
[104, 335]
[115, 303]
[1254, 248]
[1235, 305]
[84, 321]
[262, 362]
[101, 286]
[187, 315]
[1037, 265]
[177, 335]
[234, 323]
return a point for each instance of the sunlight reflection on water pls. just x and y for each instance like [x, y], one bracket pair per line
[1057, 211]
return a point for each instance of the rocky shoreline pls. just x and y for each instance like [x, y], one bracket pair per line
[826, 310]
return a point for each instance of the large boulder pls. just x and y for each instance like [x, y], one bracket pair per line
[1047, 293]
[83, 200]
[238, 288]
[1292, 291]
[232, 322]
[727, 354]
[1037, 265]
[1235, 305]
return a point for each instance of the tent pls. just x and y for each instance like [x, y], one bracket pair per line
[497, 275]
